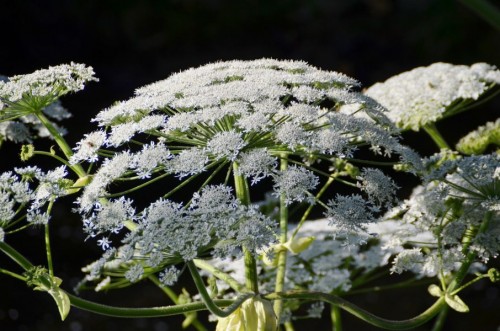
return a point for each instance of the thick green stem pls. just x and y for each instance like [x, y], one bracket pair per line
[470, 257]
[12, 274]
[233, 283]
[281, 268]
[48, 249]
[361, 313]
[441, 319]
[243, 194]
[433, 132]
[210, 304]
[336, 318]
[175, 299]
[15, 256]
[61, 142]
[485, 10]
[122, 312]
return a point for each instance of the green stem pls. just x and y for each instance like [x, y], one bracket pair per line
[309, 209]
[123, 312]
[48, 249]
[282, 255]
[361, 313]
[131, 312]
[57, 157]
[433, 132]
[210, 304]
[469, 259]
[233, 283]
[441, 319]
[243, 194]
[288, 326]
[61, 142]
[485, 10]
[175, 299]
[15, 256]
[12, 274]
[336, 318]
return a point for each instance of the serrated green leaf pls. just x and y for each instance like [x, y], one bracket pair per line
[456, 303]
[435, 291]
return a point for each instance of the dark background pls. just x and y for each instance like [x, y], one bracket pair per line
[132, 43]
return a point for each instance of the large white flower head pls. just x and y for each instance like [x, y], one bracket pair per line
[425, 95]
[266, 122]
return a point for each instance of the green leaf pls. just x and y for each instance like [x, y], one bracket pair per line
[40, 280]
[435, 291]
[456, 303]
[62, 301]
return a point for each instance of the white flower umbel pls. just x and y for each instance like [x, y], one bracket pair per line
[427, 94]
[295, 183]
[56, 80]
[87, 148]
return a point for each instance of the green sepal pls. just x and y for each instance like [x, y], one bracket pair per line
[435, 291]
[456, 303]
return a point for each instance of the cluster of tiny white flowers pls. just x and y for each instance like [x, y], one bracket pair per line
[215, 221]
[169, 276]
[350, 213]
[46, 85]
[29, 189]
[256, 164]
[149, 158]
[109, 217]
[295, 183]
[56, 80]
[426, 94]
[380, 188]
[226, 144]
[87, 148]
[110, 170]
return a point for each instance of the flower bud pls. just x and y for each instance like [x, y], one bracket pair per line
[254, 314]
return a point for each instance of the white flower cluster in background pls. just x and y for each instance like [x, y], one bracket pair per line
[427, 94]
[453, 202]
[42, 89]
[57, 80]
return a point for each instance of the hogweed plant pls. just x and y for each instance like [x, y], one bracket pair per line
[216, 174]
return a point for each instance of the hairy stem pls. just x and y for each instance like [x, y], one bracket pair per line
[175, 299]
[210, 304]
[281, 268]
[361, 313]
[61, 142]
[48, 249]
[233, 283]
[243, 194]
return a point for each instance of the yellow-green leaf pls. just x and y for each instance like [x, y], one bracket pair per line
[62, 301]
[435, 291]
[456, 303]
